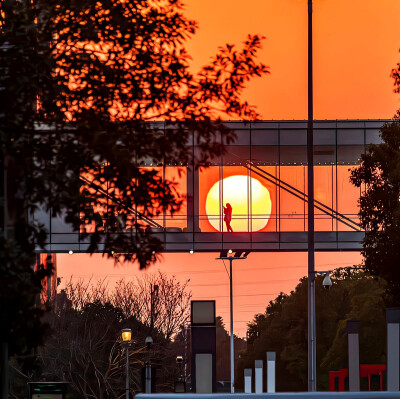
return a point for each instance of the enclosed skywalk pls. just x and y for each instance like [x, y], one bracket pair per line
[263, 176]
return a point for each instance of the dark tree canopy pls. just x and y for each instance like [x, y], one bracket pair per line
[283, 329]
[81, 84]
[379, 177]
[93, 74]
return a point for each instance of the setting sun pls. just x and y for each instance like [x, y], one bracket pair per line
[235, 190]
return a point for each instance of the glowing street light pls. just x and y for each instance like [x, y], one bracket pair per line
[126, 335]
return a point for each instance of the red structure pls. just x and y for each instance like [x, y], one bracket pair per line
[366, 370]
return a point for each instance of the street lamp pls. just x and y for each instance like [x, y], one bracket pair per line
[126, 335]
[312, 343]
[238, 255]
[180, 385]
[148, 341]
[179, 362]
[312, 358]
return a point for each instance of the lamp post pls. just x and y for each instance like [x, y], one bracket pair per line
[312, 359]
[148, 341]
[126, 334]
[312, 350]
[239, 255]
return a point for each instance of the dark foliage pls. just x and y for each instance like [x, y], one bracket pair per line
[80, 83]
[379, 177]
[283, 329]
[85, 348]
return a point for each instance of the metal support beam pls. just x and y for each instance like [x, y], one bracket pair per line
[232, 341]
[312, 359]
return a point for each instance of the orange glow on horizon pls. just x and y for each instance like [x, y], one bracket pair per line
[235, 190]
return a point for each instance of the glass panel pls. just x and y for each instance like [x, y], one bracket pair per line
[348, 124]
[209, 188]
[235, 200]
[324, 136]
[264, 137]
[253, 199]
[324, 194]
[236, 155]
[265, 155]
[159, 214]
[372, 136]
[293, 137]
[350, 136]
[178, 176]
[347, 196]
[199, 159]
[242, 137]
[293, 155]
[349, 155]
[324, 155]
[292, 208]
[263, 217]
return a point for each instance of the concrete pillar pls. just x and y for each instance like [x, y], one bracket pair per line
[271, 357]
[204, 346]
[393, 348]
[258, 374]
[248, 373]
[352, 329]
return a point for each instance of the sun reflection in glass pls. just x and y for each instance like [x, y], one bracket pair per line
[235, 190]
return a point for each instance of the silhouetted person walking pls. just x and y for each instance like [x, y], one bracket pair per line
[228, 217]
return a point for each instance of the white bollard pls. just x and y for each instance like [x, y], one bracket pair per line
[352, 328]
[247, 380]
[393, 349]
[258, 374]
[271, 357]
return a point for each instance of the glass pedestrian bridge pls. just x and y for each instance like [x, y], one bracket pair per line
[263, 175]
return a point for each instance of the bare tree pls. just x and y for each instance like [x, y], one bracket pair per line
[86, 320]
[159, 302]
[81, 292]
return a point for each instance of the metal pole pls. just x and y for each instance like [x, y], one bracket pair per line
[312, 375]
[231, 309]
[151, 309]
[148, 377]
[4, 378]
[185, 367]
[127, 372]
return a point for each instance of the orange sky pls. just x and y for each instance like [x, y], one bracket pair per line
[256, 280]
[356, 46]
